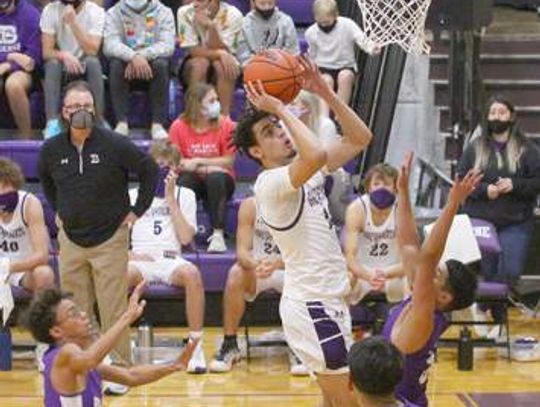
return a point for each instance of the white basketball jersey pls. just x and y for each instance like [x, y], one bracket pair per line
[264, 246]
[15, 240]
[153, 233]
[377, 245]
[315, 268]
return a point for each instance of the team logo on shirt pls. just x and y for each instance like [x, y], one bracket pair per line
[9, 40]
[64, 161]
[94, 159]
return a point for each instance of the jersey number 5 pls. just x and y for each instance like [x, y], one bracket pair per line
[157, 227]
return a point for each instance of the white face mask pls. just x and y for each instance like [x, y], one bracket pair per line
[137, 5]
[212, 110]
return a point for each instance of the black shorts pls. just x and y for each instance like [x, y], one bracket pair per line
[333, 73]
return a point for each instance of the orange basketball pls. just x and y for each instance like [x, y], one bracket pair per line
[279, 72]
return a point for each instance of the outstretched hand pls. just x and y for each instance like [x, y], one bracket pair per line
[261, 100]
[136, 305]
[463, 187]
[405, 172]
[311, 78]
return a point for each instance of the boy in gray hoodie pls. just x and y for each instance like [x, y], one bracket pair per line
[139, 43]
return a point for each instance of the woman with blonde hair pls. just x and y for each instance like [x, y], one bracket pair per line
[309, 108]
[203, 138]
[507, 194]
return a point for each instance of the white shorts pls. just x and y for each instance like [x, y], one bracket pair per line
[395, 290]
[15, 279]
[159, 271]
[274, 282]
[319, 333]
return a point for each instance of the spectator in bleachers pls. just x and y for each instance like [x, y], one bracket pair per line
[157, 239]
[371, 248]
[23, 234]
[332, 42]
[507, 194]
[308, 107]
[267, 27]
[84, 173]
[203, 137]
[20, 58]
[71, 34]
[211, 31]
[139, 42]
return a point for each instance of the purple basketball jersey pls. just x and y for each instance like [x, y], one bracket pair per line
[90, 397]
[413, 385]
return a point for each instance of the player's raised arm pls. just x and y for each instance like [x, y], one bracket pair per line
[311, 156]
[356, 135]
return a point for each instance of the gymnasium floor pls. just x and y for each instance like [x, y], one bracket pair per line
[494, 382]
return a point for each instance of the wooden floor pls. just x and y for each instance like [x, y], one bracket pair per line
[266, 382]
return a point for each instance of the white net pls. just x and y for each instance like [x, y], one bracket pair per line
[399, 22]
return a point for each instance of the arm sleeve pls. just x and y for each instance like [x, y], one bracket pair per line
[291, 38]
[276, 197]
[187, 36]
[188, 205]
[134, 160]
[98, 22]
[232, 35]
[48, 22]
[32, 43]
[113, 44]
[164, 46]
[527, 185]
[45, 177]
[312, 44]
[360, 37]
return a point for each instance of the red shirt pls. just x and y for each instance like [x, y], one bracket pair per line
[208, 144]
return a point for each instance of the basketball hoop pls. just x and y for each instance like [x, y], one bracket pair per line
[398, 22]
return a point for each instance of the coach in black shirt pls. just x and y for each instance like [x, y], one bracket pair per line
[84, 174]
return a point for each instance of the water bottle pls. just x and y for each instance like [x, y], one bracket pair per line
[145, 335]
[465, 350]
[172, 100]
[5, 347]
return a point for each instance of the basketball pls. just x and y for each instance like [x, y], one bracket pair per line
[279, 72]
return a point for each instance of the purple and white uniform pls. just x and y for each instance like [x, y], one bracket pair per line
[413, 385]
[315, 316]
[90, 397]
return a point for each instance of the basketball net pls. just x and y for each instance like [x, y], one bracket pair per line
[398, 22]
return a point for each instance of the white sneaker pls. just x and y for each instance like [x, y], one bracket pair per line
[122, 128]
[225, 359]
[39, 352]
[158, 132]
[297, 368]
[217, 244]
[114, 389]
[197, 363]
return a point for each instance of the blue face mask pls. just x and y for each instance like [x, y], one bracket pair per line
[9, 201]
[213, 110]
[382, 198]
[160, 186]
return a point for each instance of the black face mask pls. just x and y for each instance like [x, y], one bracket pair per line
[327, 28]
[81, 119]
[74, 3]
[266, 14]
[498, 126]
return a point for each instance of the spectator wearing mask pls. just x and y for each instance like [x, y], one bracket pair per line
[72, 32]
[20, 58]
[211, 32]
[267, 27]
[139, 42]
[84, 173]
[203, 137]
[507, 194]
[332, 41]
